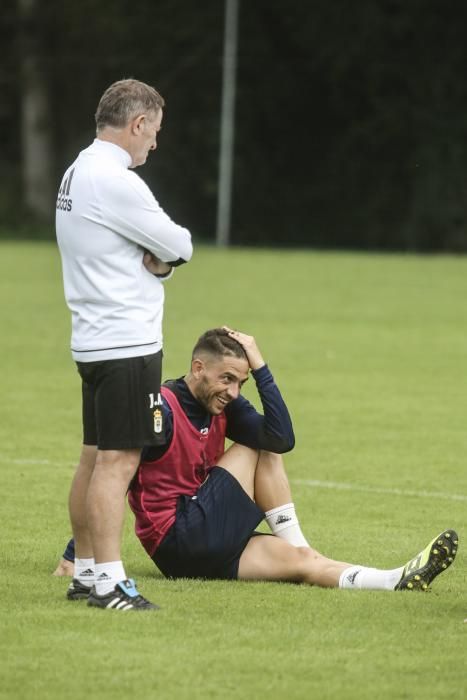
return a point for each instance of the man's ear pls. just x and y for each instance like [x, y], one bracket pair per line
[197, 367]
[137, 125]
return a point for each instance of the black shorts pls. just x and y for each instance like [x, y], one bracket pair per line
[120, 410]
[210, 532]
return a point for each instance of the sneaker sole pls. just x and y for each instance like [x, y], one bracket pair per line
[123, 597]
[77, 591]
[76, 595]
[122, 605]
[442, 553]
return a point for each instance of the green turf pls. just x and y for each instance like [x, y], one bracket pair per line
[370, 353]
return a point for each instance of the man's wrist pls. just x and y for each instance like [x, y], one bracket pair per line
[259, 372]
[255, 366]
[165, 275]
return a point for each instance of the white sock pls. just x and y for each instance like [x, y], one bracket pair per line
[284, 523]
[108, 574]
[84, 571]
[364, 578]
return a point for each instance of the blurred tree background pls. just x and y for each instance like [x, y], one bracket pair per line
[351, 125]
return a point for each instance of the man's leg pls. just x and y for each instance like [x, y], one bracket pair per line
[273, 496]
[106, 499]
[83, 569]
[77, 501]
[267, 558]
[78, 509]
[274, 558]
[241, 462]
[116, 411]
[271, 559]
[262, 476]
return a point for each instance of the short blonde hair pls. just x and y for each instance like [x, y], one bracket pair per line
[125, 100]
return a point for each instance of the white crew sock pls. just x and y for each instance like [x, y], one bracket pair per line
[284, 523]
[364, 578]
[84, 571]
[108, 574]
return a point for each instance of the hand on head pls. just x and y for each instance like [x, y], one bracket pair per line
[248, 343]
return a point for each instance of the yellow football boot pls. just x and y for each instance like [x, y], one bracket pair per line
[420, 571]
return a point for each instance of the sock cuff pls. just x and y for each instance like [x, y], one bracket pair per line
[108, 564]
[85, 562]
[281, 518]
[273, 511]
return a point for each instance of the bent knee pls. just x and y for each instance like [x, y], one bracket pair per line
[238, 451]
[272, 457]
[122, 464]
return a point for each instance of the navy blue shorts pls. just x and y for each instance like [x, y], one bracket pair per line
[210, 532]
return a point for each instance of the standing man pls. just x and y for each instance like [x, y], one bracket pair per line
[117, 246]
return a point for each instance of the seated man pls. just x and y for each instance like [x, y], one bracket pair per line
[197, 505]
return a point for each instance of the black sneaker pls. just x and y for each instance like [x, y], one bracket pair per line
[123, 597]
[77, 590]
[420, 571]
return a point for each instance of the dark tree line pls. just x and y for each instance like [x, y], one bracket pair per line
[351, 124]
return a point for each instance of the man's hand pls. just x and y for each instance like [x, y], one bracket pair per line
[248, 343]
[154, 265]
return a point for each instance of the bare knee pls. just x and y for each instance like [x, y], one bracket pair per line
[238, 453]
[87, 458]
[272, 458]
[119, 465]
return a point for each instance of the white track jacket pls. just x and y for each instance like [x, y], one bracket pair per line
[106, 218]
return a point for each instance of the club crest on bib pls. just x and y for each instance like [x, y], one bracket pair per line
[157, 420]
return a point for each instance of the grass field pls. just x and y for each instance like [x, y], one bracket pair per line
[370, 353]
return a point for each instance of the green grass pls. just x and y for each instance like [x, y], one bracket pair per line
[370, 353]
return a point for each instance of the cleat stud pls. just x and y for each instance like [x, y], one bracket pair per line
[447, 535]
[410, 584]
[450, 559]
[417, 577]
[436, 551]
[440, 542]
[454, 551]
[455, 541]
[424, 586]
[444, 565]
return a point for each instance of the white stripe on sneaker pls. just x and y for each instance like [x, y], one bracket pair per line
[113, 602]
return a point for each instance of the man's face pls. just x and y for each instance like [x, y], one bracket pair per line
[218, 381]
[145, 137]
